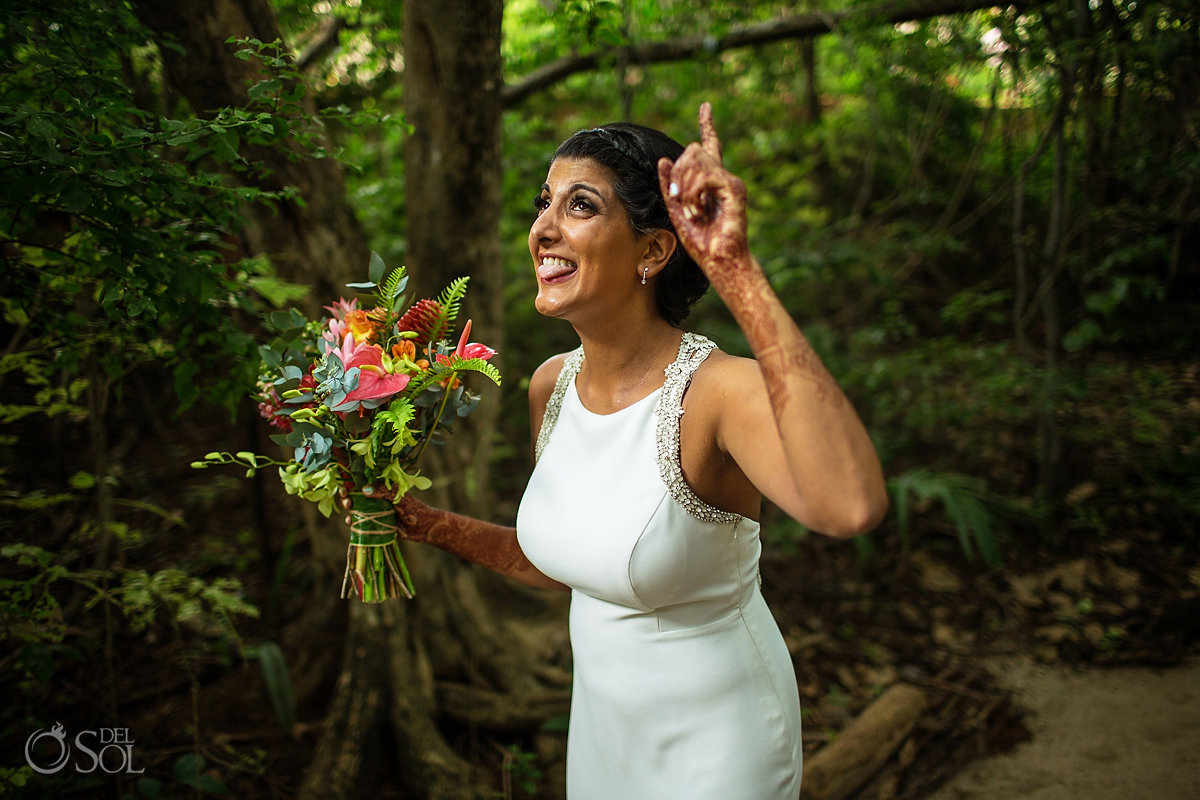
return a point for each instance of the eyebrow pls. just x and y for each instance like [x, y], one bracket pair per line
[574, 186]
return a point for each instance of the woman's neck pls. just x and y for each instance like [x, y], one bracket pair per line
[625, 362]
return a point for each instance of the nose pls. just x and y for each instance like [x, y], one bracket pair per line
[543, 228]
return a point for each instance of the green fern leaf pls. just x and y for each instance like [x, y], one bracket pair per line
[438, 372]
[392, 288]
[451, 302]
[480, 366]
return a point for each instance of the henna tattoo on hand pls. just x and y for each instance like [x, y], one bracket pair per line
[483, 543]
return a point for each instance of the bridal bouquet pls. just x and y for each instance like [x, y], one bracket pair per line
[358, 395]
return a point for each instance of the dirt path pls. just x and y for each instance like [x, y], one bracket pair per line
[1098, 734]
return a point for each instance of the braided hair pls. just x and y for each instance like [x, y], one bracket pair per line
[631, 152]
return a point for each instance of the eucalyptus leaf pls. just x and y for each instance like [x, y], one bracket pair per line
[376, 269]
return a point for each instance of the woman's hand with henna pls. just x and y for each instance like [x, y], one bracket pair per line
[707, 204]
[415, 518]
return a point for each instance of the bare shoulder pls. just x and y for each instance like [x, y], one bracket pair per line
[726, 391]
[541, 383]
[723, 378]
[541, 386]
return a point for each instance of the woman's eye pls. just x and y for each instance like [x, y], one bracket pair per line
[582, 204]
[540, 204]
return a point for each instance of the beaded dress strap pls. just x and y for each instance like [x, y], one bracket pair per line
[570, 369]
[692, 352]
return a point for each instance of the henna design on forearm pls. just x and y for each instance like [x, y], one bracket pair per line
[483, 543]
[708, 207]
[778, 363]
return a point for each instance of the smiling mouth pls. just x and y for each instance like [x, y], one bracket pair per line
[554, 269]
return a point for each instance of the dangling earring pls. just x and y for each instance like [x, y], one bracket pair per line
[644, 271]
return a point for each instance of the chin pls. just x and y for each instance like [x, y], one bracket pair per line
[551, 301]
[547, 308]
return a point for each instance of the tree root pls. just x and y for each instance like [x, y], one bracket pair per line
[500, 711]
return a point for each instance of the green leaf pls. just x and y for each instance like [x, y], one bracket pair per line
[186, 136]
[82, 480]
[279, 685]
[265, 88]
[76, 197]
[42, 128]
[187, 768]
[376, 268]
[225, 146]
[149, 788]
[392, 291]
[185, 383]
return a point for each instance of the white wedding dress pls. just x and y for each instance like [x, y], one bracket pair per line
[683, 687]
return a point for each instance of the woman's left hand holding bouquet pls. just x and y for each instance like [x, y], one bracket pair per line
[486, 544]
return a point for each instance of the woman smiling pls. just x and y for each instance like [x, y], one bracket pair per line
[654, 450]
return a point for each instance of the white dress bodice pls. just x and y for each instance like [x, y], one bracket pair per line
[683, 686]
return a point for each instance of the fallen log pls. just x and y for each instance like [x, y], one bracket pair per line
[839, 768]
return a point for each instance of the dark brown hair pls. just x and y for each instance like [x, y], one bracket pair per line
[631, 152]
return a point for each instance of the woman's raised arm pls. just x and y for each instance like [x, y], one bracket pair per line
[793, 433]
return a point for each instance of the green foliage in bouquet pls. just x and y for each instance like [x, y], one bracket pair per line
[358, 395]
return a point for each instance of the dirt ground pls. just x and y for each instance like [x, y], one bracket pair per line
[1100, 733]
[1068, 674]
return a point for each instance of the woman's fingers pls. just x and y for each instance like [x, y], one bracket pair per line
[692, 185]
[681, 180]
[708, 133]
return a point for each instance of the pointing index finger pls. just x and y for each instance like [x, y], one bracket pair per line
[708, 132]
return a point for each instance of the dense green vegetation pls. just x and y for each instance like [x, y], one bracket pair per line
[985, 221]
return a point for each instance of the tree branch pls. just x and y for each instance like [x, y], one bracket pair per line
[323, 42]
[795, 27]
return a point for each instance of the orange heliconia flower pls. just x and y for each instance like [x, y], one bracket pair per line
[404, 349]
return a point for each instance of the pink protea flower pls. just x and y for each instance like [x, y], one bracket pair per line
[335, 332]
[341, 307]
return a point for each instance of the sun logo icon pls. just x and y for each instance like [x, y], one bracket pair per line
[58, 734]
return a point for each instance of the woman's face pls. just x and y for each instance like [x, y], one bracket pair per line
[585, 254]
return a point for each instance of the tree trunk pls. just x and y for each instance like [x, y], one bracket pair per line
[452, 82]
[318, 243]
[450, 660]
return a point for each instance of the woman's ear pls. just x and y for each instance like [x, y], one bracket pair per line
[660, 246]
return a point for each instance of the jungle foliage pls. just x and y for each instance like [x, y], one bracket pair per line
[986, 222]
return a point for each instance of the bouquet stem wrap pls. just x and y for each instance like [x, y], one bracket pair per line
[375, 569]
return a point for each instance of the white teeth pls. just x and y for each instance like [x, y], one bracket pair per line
[555, 267]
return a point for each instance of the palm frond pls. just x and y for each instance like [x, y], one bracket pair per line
[966, 501]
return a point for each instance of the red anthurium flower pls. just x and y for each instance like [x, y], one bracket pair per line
[472, 349]
[375, 384]
[477, 350]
